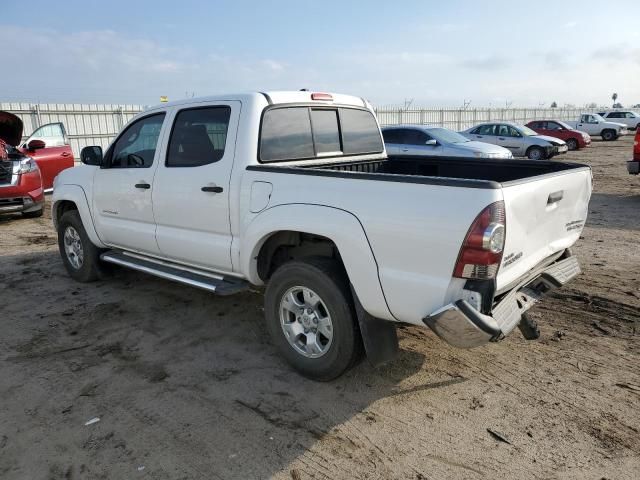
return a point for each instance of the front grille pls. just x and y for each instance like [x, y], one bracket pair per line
[5, 172]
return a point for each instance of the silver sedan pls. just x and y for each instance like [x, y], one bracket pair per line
[520, 140]
[436, 142]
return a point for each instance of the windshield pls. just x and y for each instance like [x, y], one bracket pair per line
[564, 125]
[599, 118]
[446, 136]
[526, 131]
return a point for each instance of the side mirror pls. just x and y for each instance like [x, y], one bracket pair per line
[91, 156]
[36, 145]
[431, 143]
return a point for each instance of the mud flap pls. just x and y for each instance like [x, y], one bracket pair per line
[379, 337]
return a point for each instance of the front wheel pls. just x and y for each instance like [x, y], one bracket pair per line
[311, 318]
[81, 258]
[535, 153]
[609, 135]
[572, 144]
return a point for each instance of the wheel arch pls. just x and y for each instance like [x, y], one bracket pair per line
[299, 230]
[72, 197]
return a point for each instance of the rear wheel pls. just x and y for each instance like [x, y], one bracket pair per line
[311, 317]
[609, 135]
[535, 153]
[572, 144]
[81, 258]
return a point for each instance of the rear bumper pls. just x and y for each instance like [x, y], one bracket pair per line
[633, 167]
[461, 325]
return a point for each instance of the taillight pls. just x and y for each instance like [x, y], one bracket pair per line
[322, 96]
[636, 146]
[481, 251]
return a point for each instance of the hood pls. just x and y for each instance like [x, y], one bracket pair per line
[10, 128]
[619, 125]
[551, 140]
[481, 147]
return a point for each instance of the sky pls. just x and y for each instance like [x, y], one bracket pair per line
[430, 53]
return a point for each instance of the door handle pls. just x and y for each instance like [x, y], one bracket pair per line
[555, 197]
[500, 138]
[144, 186]
[479, 136]
[65, 154]
[405, 149]
[213, 189]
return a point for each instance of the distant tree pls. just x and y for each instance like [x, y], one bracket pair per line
[637, 105]
[554, 105]
[614, 97]
[592, 105]
[617, 105]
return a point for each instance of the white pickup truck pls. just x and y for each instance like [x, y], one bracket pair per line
[596, 126]
[294, 190]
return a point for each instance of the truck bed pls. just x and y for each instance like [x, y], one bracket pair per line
[451, 171]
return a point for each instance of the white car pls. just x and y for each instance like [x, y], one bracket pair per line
[428, 141]
[519, 139]
[295, 190]
[596, 126]
[627, 117]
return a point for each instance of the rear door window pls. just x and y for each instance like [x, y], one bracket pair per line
[392, 135]
[198, 137]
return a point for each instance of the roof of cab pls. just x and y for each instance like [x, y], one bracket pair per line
[272, 97]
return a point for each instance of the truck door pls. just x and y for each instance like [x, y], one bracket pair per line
[191, 188]
[123, 214]
[56, 154]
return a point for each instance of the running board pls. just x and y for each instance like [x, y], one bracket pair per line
[211, 282]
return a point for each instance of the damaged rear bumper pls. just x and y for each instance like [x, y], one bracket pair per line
[461, 325]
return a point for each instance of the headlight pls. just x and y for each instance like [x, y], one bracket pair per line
[26, 165]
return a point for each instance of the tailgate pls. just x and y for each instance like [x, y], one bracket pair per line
[544, 216]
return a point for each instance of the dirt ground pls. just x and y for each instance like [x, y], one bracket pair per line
[187, 385]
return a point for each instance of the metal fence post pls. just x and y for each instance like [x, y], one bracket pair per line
[38, 117]
[441, 117]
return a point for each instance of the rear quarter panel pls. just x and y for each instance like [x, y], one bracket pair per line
[414, 231]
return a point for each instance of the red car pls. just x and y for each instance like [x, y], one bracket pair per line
[27, 170]
[574, 139]
[633, 166]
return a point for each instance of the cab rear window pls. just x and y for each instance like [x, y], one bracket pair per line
[309, 132]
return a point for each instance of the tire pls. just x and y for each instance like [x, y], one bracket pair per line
[290, 296]
[609, 135]
[535, 153]
[572, 143]
[34, 214]
[86, 265]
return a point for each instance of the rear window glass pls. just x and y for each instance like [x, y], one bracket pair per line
[326, 134]
[359, 132]
[286, 135]
[294, 133]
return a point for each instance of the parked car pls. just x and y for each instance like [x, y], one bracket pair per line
[226, 192]
[520, 140]
[595, 125]
[627, 117]
[633, 166]
[437, 142]
[574, 139]
[20, 180]
[49, 146]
